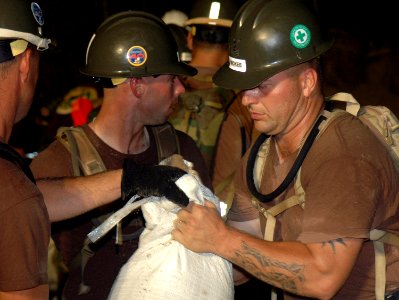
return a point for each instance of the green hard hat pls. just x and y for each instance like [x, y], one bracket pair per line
[268, 37]
[133, 44]
[21, 20]
[210, 12]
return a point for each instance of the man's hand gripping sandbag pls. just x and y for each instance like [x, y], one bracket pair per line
[148, 180]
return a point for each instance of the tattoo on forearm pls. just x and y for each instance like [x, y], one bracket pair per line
[333, 242]
[271, 270]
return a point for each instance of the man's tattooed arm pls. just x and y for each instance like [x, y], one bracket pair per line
[272, 271]
[332, 243]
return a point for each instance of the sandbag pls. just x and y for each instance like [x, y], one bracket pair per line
[162, 268]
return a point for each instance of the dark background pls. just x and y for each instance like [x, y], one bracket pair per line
[368, 25]
[363, 61]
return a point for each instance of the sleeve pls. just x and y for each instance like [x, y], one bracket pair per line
[345, 184]
[242, 208]
[228, 150]
[24, 233]
[54, 161]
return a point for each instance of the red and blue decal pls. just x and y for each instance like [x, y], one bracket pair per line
[136, 56]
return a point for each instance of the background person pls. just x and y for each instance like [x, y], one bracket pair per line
[211, 115]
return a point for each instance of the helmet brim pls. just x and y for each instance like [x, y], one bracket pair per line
[178, 68]
[230, 79]
[181, 68]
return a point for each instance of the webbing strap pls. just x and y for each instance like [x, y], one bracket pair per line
[214, 104]
[297, 199]
[385, 237]
[86, 254]
[84, 154]
[379, 238]
[166, 140]
[73, 148]
[380, 269]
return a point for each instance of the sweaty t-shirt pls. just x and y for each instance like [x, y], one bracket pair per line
[103, 267]
[24, 231]
[351, 187]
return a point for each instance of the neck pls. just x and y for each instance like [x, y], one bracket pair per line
[214, 57]
[121, 139]
[290, 142]
[9, 104]
[119, 130]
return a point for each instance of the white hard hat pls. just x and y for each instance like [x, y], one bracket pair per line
[175, 17]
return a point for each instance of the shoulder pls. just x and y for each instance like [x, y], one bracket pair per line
[184, 137]
[350, 157]
[16, 187]
[53, 161]
[346, 135]
[186, 142]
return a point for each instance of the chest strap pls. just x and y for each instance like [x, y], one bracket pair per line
[270, 214]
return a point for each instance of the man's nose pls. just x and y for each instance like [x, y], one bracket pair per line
[247, 98]
[179, 87]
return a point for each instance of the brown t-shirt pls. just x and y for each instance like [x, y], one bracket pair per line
[234, 139]
[351, 187]
[101, 269]
[24, 231]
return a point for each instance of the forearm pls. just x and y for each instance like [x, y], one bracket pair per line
[39, 292]
[291, 266]
[68, 197]
[314, 270]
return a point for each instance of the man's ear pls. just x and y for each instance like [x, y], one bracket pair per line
[309, 80]
[25, 64]
[190, 38]
[137, 86]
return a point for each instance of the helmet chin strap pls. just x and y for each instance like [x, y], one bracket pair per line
[41, 43]
[291, 174]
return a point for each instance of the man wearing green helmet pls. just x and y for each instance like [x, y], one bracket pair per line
[134, 58]
[321, 248]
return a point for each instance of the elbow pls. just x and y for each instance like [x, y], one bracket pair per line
[325, 289]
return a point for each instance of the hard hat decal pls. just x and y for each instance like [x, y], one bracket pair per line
[37, 13]
[300, 36]
[236, 64]
[136, 56]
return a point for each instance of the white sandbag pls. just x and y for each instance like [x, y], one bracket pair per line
[162, 268]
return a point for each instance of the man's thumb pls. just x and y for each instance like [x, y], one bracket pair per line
[208, 203]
